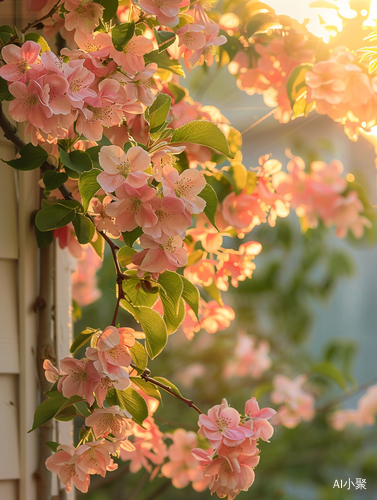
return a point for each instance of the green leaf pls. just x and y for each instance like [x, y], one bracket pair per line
[139, 293]
[157, 113]
[53, 445]
[34, 37]
[156, 335]
[167, 382]
[173, 319]
[53, 179]
[210, 197]
[32, 157]
[129, 237]
[84, 229]
[78, 161]
[164, 39]
[214, 293]
[331, 371]
[251, 183]
[131, 401]
[6, 33]
[204, 133]
[237, 176]
[44, 238]
[65, 412]
[297, 90]
[51, 407]
[172, 288]
[99, 246]
[178, 92]
[110, 10]
[93, 153]
[191, 295]
[122, 34]
[164, 62]
[82, 338]
[56, 216]
[125, 255]
[88, 186]
[5, 95]
[139, 356]
[147, 387]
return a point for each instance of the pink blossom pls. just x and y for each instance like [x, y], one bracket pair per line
[111, 420]
[171, 218]
[112, 351]
[238, 265]
[243, 211]
[345, 215]
[160, 254]
[140, 87]
[202, 272]
[83, 15]
[166, 11]
[94, 457]
[120, 167]
[259, 419]
[79, 79]
[119, 382]
[251, 358]
[65, 463]
[131, 58]
[19, 61]
[131, 207]
[191, 36]
[30, 104]
[80, 379]
[185, 186]
[102, 220]
[327, 81]
[299, 404]
[216, 317]
[222, 425]
[102, 111]
[84, 281]
[149, 447]
[51, 372]
[182, 466]
[57, 87]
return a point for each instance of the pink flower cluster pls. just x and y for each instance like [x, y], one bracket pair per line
[365, 414]
[297, 403]
[318, 196]
[52, 95]
[275, 59]
[338, 85]
[250, 358]
[344, 91]
[229, 465]
[164, 215]
[213, 318]
[104, 367]
[197, 41]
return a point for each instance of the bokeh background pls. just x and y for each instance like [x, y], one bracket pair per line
[312, 296]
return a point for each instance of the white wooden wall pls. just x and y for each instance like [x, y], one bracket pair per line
[19, 392]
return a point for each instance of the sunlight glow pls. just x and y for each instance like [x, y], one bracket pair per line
[324, 22]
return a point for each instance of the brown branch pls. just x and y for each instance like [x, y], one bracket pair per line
[145, 376]
[348, 395]
[35, 23]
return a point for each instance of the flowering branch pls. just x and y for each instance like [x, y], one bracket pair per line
[32, 24]
[145, 376]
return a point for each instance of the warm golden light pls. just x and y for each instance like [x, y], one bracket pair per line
[350, 177]
[323, 20]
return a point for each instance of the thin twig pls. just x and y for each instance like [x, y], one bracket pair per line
[348, 395]
[145, 376]
[259, 121]
[36, 22]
